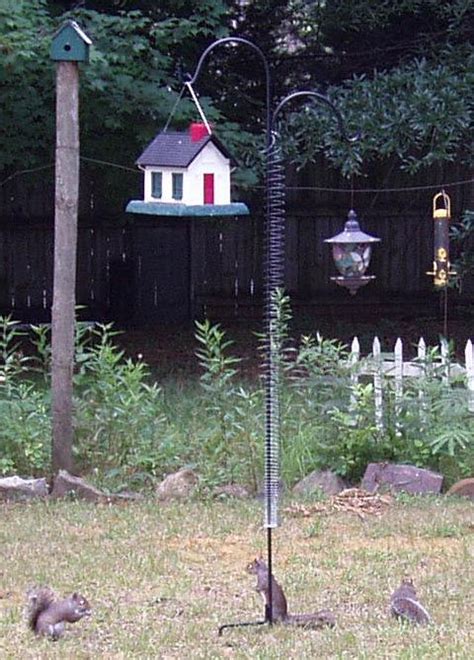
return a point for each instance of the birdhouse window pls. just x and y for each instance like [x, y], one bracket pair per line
[177, 185]
[157, 185]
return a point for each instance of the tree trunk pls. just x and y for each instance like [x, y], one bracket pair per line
[65, 240]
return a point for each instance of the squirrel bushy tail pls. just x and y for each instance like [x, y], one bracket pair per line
[39, 599]
[313, 621]
[404, 604]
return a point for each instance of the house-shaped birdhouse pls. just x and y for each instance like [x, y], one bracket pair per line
[186, 174]
[70, 44]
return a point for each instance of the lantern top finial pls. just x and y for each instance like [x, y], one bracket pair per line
[352, 232]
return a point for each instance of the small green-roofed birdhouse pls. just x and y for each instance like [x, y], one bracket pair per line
[70, 44]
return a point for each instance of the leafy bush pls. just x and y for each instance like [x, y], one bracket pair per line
[234, 413]
[117, 413]
[25, 430]
[128, 430]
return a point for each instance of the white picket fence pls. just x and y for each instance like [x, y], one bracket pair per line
[381, 365]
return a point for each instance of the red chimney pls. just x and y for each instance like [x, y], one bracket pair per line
[198, 131]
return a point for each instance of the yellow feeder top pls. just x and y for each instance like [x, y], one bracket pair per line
[444, 212]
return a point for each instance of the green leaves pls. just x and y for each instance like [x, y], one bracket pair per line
[421, 114]
[411, 98]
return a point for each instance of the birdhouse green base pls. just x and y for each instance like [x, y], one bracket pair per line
[185, 210]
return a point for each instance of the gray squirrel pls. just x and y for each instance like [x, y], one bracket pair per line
[46, 614]
[280, 612]
[405, 605]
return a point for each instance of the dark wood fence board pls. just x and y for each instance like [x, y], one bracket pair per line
[154, 269]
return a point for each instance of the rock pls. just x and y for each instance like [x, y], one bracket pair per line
[407, 478]
[67, 484]
[16, 488]
[177, 486]
[322, 480]
[463, 488]
[231, 490]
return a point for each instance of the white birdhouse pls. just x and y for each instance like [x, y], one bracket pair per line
[187, 173]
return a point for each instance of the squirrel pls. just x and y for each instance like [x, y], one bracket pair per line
[280, 612]
[46, 614]
[404, 604]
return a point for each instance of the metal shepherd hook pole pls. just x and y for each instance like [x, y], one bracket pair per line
[273, 284]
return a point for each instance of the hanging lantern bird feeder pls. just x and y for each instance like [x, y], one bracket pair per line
[351, 251]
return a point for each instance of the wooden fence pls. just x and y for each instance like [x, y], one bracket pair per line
[379, 366]
[174, 270]
[141, 270]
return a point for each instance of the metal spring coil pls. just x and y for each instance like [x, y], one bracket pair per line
[273, 281]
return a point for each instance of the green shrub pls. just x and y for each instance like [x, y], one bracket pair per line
[25, 429]
[118, 415]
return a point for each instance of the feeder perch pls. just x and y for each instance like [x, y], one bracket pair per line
[441, 217]
[187, 174]
[351, 251]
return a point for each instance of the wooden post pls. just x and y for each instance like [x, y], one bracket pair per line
[69, 46]
[65, 242]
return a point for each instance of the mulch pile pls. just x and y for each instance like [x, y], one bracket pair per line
[352, 500]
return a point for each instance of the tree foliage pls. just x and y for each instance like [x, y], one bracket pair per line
[401, 73]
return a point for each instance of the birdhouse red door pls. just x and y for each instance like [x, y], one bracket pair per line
[209, 189]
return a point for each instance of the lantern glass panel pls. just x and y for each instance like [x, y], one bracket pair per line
[351, 259]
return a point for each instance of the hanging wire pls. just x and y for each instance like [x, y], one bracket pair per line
[198, 106]
[450, 184]
[343, 191]
[173, 109]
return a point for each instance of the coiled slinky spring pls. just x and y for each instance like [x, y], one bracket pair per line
[273, 284]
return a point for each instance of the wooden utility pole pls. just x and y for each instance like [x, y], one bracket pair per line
[69, 47]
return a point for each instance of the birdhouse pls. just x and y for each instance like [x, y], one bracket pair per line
[70, 44]
[185, 174]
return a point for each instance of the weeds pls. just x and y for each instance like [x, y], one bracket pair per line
[129, 430]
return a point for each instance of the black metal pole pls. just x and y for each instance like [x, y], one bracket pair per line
[274, 278]
[268, 288]
[269, 607]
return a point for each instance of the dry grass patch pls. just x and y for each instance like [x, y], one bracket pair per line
[161, 579]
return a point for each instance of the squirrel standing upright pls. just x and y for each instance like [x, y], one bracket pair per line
[280, 612]
[46, 615]
[404, 604]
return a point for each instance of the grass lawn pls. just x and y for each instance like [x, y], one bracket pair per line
[161, 579]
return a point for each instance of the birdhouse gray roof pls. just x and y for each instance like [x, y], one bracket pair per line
[178, 150]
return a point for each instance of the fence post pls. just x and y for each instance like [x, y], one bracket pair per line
[469, 355]
[444, 362]
[421, 358]
[353, 360]
[378, 385]
[398, 383]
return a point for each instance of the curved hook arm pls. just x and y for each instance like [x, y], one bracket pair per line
[320, 98]
[245, 42]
